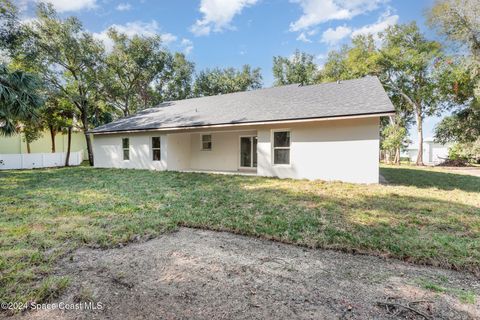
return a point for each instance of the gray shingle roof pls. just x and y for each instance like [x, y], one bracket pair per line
[351, 97]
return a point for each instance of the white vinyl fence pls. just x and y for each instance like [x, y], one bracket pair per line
[38, 160]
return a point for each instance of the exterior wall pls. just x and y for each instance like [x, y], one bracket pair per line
[108, 152]
[178, 151]
[15, 144]
[225, 153]
[345, 150]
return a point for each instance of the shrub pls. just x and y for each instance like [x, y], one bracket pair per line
[467, 151]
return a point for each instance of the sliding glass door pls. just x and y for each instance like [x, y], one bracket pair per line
[248, 152]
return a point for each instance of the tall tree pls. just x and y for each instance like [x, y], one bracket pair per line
[20, 99]
[221, 81]
[131, 68]
[458, 21]
[56, 116]
[407, 59]
[20, 96]
[404, 63]
[69, 59]
[32, 131]
[300, 68]
[394, 137]
[11, 33]
[176, 83]
[360, 59]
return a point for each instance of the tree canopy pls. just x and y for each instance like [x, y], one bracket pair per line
[20, 96]
[56, 75]
[69, 60]
[177, 80]
[458, 22]
[130, 68]
[220, 81]
[300, 68]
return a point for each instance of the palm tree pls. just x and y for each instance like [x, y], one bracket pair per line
[19, 99]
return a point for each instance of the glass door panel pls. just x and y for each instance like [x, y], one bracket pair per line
[245, 152]
[254, 151]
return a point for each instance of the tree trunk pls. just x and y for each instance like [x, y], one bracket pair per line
[397, 156]
[69, 145]
[53, 132]
[28, 146]
[89, 147]
[87, 137]
[420, 138]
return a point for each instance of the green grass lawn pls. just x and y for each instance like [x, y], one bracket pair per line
[424, 216]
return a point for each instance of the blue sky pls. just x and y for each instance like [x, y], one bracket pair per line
[223, 33]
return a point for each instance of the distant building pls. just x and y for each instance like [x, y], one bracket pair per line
[433, 153]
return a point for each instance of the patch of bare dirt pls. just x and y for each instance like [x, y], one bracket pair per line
[196, 274]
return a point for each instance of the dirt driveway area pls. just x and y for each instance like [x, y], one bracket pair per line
[197, 274]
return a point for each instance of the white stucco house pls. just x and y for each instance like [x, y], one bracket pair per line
[433, 152]
[327, 131]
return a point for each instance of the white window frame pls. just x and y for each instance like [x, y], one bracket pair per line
[127, 149]
[201, 141]
[159, 148]
[272, 139]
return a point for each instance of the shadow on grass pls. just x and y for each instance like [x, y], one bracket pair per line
[430, 179]
[44, 209]
[113, 205]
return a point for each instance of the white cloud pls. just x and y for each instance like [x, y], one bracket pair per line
[319, 11]
[218, 14]
[123, 7]
[303, 37]
[168, 38]
[333, 36]
[382, 23]
[147, 29]
[187, 45]
[71, 5]
[131, 29]
[140, 28]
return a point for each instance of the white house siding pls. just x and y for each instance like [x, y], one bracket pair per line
[225, 153]
[107, 150]
[346, 150]
[178, 151]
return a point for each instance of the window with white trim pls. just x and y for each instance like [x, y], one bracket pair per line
[156, 149]
[281, 147]
[126, 148]
[206, 142]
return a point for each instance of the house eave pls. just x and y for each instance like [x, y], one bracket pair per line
[251, 123]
